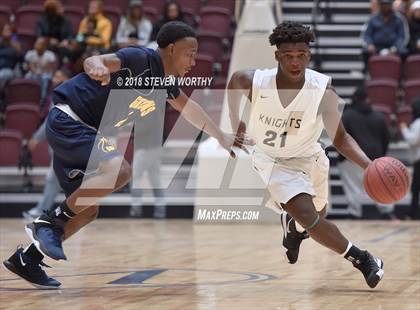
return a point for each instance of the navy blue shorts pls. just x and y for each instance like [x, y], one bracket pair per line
[75, 145]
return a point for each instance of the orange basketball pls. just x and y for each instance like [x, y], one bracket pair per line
[386, 180]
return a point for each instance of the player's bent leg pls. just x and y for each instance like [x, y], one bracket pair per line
[301, 208]
[47, 231]
[80, 220]
[294, 234]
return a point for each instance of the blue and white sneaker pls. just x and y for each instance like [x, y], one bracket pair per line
[30, 270]
[291, 237]
[46, 233]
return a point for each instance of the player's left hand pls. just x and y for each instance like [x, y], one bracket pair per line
[227, 141]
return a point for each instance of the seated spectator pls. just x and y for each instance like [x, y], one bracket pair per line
[171, 12]
[386, 33]
[40, 62]
[414, 24]
[53, 25]
[411, 134]
[9, 56]
[101, 39]
[135, 28]
[82, 38]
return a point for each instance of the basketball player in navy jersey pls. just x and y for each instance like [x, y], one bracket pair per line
[72, 132]
[290, 107]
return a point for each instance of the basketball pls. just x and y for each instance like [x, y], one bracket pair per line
[386, 180]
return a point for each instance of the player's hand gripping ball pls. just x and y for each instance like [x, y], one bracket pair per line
[386, 180]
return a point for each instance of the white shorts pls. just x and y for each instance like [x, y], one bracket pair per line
[288, 177]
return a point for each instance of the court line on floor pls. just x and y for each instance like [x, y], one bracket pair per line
[389, 234]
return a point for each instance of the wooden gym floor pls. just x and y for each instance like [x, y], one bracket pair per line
[147, 264]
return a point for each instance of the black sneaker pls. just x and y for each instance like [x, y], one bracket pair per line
[291, 237]
[47, 234]
[30, 270]
[371, 267]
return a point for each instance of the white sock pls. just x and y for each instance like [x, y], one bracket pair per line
[299, 227]
[347, 249]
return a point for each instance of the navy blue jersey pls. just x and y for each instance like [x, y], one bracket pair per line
[88, 99]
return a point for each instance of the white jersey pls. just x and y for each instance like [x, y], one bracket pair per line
[288, 132]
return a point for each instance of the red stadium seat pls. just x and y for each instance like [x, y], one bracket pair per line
[412, 67]
[226, 4]
[41, 156]
[203, 66]
[75, 15]
[12, 4]
[122, 138]
[210, 43]
[114, 15]
[156, 4]
[382, 92]
[215, 19]
[83, 4]
[27, 17]
[151, 13]
[189, 16]
[23, 90]
[24, 118]
[5, 14]
[411, 91]
[121, 4]
[10, 140]
[191, 5]
[384, 67]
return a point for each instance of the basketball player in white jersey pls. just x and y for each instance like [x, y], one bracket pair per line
[290, 106]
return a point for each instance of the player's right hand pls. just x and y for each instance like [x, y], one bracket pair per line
[99, 72]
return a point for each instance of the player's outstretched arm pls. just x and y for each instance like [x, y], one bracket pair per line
[194, 114]
[240, 84]
[100, 67]
[343, 142]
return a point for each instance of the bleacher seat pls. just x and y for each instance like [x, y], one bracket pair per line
[22, 117]
[215, 19]
[210, 43]
[384, 67]
[27, 17]
[23, 90]
[192, 5]
[386, 111]
[157, 4]
[382, 92]
[5, 14]
[226, 4]
[411, 91]
[10, 140]
[412, 67]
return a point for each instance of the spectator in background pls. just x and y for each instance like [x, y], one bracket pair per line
[402, 6]
[171, 12]
[369, 128]
[41, 63]
[53, 25]
[101, 37]
[90, 32]
[52, 187]
[412, 136]
[135, 28]
[414, 25]
[386, 33]
[9, 56]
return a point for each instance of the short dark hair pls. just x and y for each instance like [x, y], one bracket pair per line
[172, 32]
[291, 32]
